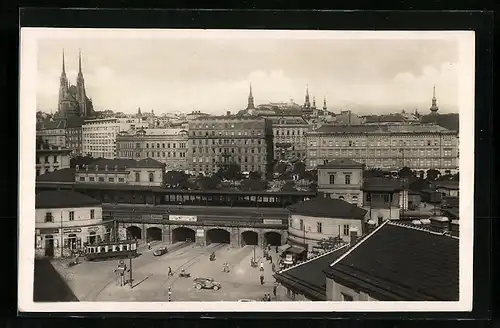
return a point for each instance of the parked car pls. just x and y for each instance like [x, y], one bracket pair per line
[160, 251]
[206, 283]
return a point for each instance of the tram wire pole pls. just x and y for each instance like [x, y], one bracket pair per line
[62, 236]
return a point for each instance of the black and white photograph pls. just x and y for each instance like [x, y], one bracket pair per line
[244, 170]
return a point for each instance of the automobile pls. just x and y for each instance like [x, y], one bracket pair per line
[206, 283]
[160, 251]
[246, 300]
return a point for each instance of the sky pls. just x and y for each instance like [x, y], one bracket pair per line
[213, 74]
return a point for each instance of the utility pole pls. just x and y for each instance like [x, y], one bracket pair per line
[62, 236]
[131, 279]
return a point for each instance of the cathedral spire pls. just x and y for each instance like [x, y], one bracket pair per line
[307, 103]
[434, 108]
[63, 64]
[251, 104]
[79, 61]
[324, 104]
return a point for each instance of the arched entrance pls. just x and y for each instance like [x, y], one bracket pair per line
[49, 245]
[154, 233]
[182, 234]
[218, 236]
[272, 238]
[249, 238]
[134, 232]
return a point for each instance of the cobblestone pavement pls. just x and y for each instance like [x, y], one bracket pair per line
[95, 281]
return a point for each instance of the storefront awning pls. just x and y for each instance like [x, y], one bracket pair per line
[296, 250]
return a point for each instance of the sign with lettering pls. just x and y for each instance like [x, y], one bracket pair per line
[188, 218]
[269, 221]
[152, 216]
[48, 231]
[200, 233]
[72, 230]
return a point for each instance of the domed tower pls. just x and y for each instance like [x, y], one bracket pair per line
[434, 108]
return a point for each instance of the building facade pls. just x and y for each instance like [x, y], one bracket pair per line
[50, 158]
[342, 179]
[168, 146]
[65, 221]
[99, 135]
[289, 139]
[389, 147]
[216, 141]
[145, 172]
[53, 132]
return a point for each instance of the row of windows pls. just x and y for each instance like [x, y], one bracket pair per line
[227, 141]
[241, 125]
[290, 132]
[362, 143]
[347, 179]
[378, 152]
[100, 179]
[50, 218]
[226, 133]
[392, 162]
[236, 159]
[174, 145]
[319, 227]
[47, 159]
[226, 150]
[214, 168]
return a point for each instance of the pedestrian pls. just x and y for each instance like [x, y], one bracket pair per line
[276, 249]
[269, 247]
[274, 290]
[262, 279]
[149, 245]
[170, 273]
[261, 266]
[273, 266]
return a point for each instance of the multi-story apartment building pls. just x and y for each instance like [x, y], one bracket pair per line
[53, 132]
[289, 136]
[145, 172]
[50, 158]
[99, 135]
[220, 140]
[389, 147]
[168, 146]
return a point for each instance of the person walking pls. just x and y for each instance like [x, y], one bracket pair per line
[170, 273]
[262, 279]
[261, 266]
[276, 249]
[273, 266]
[149, 245]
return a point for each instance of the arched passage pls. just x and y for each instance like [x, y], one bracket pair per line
[154, 233]
[272, 238]
[249, 238]
[134, 232]
[218, 236]
[182, 234]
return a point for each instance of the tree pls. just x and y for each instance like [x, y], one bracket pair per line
[254, 185]
[421, 174]
[255, 175]
[311, 175]
[175, 177]
[229, 172]
[433, 174]
[280, 168]
[313, 187]
[288, 186]
[81, 161]
[456, 177]
[287, 175]
[327, 244]
[373, 173]
[208, 183]
[299, 168]
[405, 172]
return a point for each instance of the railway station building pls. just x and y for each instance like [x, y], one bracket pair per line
[65, 220]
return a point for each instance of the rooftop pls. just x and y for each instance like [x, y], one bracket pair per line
[401, 262]
[308, 277]
[382, 184]
[63, 199]
[63, 175]
[122, 164]
[341, 163]
[328, 207]
[404, 128]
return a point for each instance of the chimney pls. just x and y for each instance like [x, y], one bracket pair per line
[440, 224]
[353, 236]
[97, 167]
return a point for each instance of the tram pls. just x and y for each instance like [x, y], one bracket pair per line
[111, 250]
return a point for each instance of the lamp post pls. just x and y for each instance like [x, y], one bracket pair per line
[131, 279]
[62, 236]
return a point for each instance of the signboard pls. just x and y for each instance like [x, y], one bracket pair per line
[92, 229]
[152, 216]
[200, 233]
[48, 231]
[72, 230]
[269, 221]
[187, 218]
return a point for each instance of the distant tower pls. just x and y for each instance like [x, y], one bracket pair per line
[251, 105]
[434, 108]
[63, 88]
[81, 95]
[324, 105]
[139, 114]
[307, 104]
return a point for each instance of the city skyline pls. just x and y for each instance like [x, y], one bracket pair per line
[213, 74]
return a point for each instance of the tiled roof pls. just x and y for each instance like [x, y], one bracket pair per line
[340, 163]
[63, 175]
[382, 184]
[308, 277]
[398, 262]
[51, 125]
[448, 121]
[328, 207]
[447, 184]
[63, 198]
[347, 128]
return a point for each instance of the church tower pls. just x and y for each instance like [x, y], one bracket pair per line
[434, 108]
[81, 96]
[324, 105]
[63, 88]
[307, 104]
[251, 105]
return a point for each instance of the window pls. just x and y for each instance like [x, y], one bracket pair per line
[92, 214]
[137, 177]
[354, 199]
[332, 178]
[151, 177]
[319, 227]
[301, 224]
[71, 215]
[121, 180]
[101, 179]
[111, 179]
[55, 159]
[91, 179]
[82, 178]
[347, 179]
[49, 217]
[346, 230]
[347, 297]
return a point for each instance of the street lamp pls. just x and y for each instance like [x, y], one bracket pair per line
[131, 279]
